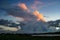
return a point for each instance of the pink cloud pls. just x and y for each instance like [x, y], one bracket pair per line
[36, 5]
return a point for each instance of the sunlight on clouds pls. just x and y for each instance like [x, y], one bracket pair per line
[10, 28]
[39, 16]
[23, 6]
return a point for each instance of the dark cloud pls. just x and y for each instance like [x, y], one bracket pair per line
[18, 12]
[31, 24]
[14, 10]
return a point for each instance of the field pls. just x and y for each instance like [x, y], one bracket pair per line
[25, 37]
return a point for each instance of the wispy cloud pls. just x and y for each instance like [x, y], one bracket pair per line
[37, 5]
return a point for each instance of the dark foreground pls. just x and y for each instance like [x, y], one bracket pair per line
[28, 36]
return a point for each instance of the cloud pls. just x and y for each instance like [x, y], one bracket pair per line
[39, 16]
[23, 6]
[37, 5]
[9, 28]
[21, 13]
[20, 19]
[38, 2]
[3, 26]
[29, 18]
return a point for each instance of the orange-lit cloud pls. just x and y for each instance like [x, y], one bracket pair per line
[21, 15]
[39, 16]
[23, 6]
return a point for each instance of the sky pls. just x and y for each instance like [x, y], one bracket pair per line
[33, 13]
[20, 10]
